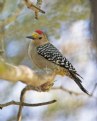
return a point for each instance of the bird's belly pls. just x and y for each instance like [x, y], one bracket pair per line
[42, 63]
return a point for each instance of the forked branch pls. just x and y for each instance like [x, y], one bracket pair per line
[35, 8]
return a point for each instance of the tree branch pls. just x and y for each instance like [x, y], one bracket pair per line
[76, 93]
[22, 97]
[23, 92]
[1, 38]
[68, 91]
[2, 3]
[26, 104]
[36, 8]
[13, 16]
[24, 74]
[94, 89]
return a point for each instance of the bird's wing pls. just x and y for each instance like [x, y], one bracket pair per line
[51, 53]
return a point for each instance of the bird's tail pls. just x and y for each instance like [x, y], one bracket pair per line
[78, 82]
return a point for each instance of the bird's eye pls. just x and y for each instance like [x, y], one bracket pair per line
[40, 37]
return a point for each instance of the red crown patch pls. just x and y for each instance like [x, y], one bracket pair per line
[39, 31]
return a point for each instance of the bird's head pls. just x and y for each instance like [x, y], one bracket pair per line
[38, 37]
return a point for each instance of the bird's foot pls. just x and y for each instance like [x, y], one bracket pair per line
[47, 86]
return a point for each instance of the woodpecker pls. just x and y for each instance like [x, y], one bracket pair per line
[45, 55]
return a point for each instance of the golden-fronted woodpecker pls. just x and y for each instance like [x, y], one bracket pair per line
[45, 56]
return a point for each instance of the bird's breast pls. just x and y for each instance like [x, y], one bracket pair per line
[37, 59]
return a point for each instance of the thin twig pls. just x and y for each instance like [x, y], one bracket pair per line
[26, 104]
[68, 91]
[95, 87]
[76, 93]
[13, 16]
[33, 7]
[39, 2]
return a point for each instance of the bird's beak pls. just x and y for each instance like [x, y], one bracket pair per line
[30, 37]
[33, 36]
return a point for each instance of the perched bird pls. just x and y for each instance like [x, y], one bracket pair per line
[45, 56]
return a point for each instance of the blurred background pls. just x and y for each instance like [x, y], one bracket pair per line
[71, 26]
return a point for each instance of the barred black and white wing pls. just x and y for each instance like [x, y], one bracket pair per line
[51, 53]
